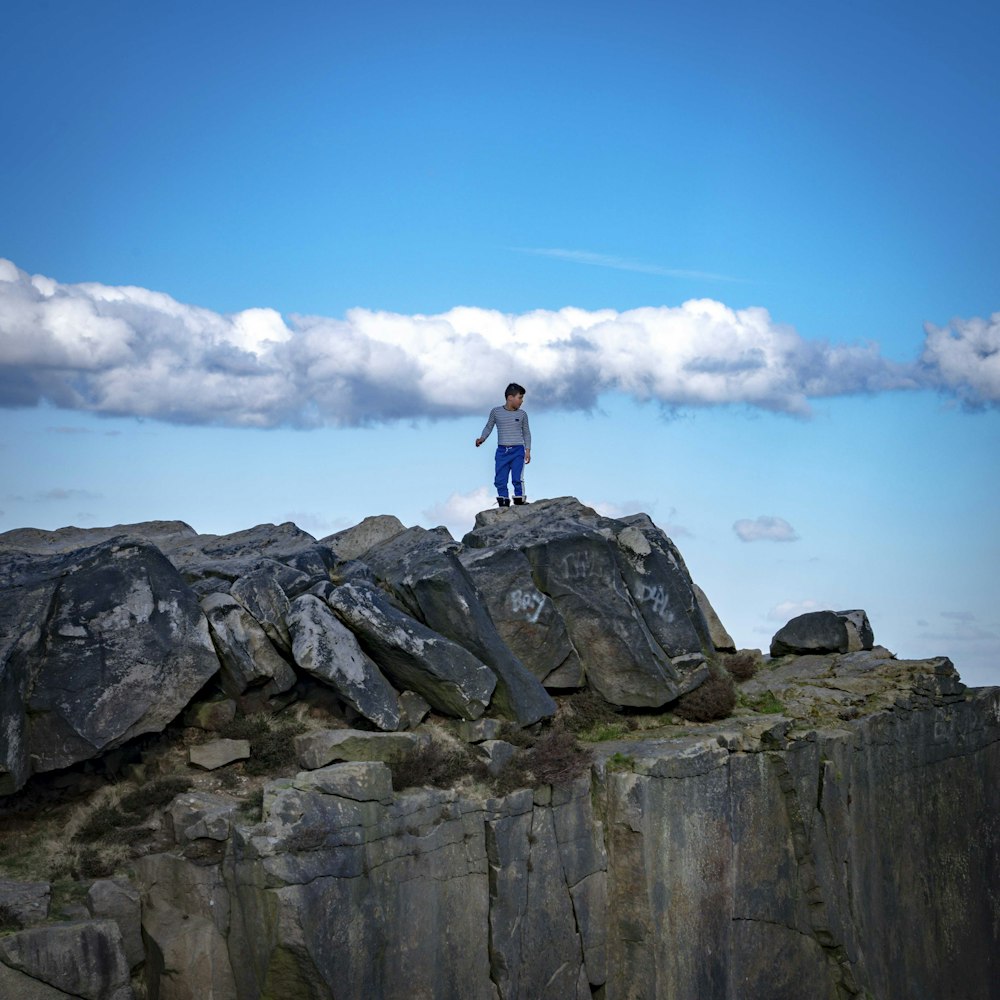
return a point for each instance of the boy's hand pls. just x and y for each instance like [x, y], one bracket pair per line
[479, 441]
[527, 457]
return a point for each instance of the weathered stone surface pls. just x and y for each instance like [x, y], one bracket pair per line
[859, 630]
[213, 562]
[326, 649]
[814, 632]
[451, 679]
[186, 920]
[211, 715]
[411, 876]
[84, 959]
[249, 659]
[574, 560]
[526, 619]
[264, 592]
[658, 580]
[208, 563]
[200, 815]
[118, 900]
[544, 943]
[362, 781]
[497, 754]
[25, 903]
[218, 753]
[423, 571]
[324, 746]
[720, 638]
[413, 709]
[789, 859]
[96, 646]
[477, 730]
[354, 542]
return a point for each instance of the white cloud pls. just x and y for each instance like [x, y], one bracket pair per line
[964, 359]
[131, 351]
[787, 610]
[763, 528]
[458, 512]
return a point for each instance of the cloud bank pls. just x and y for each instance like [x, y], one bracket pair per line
[131, 351]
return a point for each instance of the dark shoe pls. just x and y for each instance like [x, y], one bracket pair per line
[520, 501]
[503, 501]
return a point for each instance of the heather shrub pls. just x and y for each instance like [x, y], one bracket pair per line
[436, 764]
[272, 742]
[742, 665]
[714, 699]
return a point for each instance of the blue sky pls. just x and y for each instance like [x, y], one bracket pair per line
[265, 264]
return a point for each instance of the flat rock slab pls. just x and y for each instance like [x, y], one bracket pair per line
[25, 902]
[362, 781]
[218, 753]
[85, 959]
[315, 750]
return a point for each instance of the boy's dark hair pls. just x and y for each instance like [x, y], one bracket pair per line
[513, 390]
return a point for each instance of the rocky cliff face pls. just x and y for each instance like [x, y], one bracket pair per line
[836, 836]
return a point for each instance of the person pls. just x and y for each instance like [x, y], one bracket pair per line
[513, 444]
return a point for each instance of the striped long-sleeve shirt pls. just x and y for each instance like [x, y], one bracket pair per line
[512, 427]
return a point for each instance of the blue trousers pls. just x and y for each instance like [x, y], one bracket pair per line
[510, 462]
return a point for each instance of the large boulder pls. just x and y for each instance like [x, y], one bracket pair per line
[412, 655]
[215, 562]
[354, 542]
[249, 659]
[84, 959]
[658, 580]
[324, 647]
[118, 900]
[207, 562]
[185, 920]
[97, 646]
[618, 586]
[422, 569]
[265, 593]
[824, 632]
[526, 619]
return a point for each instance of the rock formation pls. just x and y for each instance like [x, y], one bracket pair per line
[837, 834]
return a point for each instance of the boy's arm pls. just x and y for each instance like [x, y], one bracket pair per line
[526, 434]
[486, 430]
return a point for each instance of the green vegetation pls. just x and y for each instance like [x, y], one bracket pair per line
[766, 703]
[601, 732]
[620, 762]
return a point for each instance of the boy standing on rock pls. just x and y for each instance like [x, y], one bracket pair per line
[513, 444]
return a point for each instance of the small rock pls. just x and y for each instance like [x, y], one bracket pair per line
[478, 730]
[315, 750]
[413, 709]
[25, 903]
[497, 754]
[218, 753]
